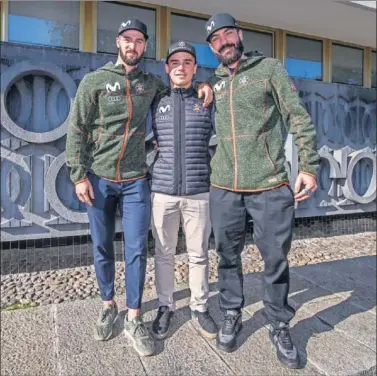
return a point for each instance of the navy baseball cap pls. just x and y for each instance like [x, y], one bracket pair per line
[219, 21]
[181, 46]
[133, 24]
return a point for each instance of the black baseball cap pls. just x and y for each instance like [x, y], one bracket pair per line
[133, 24]
[219, 21]
[181, 46]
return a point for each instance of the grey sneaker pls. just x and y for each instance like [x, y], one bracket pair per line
[105, 322]
[136, 331]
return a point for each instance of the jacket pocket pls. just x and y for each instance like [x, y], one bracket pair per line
[268, 155]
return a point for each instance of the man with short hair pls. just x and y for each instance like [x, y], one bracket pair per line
[180, 184]
[107, 158]
[256, 105]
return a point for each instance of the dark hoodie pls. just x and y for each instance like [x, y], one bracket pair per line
[107, 128]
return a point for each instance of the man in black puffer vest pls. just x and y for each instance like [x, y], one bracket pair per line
[182, 127]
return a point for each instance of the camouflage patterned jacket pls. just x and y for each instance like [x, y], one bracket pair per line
[253, 106]
[106, 134]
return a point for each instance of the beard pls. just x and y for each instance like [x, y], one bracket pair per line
[235, 56]
[133, 61]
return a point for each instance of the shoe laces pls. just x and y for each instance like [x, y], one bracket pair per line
[105, 314]
[141, 330]
[161, 311]
[229, 323]
[285, 338]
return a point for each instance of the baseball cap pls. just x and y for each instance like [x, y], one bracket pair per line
[133, 24]
[181, 46]
[219, 21]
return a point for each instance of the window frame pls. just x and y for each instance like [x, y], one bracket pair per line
[312, 38]
[133, 5]
[352, 46]
[204, 17]
[5, 29]
[371, 68]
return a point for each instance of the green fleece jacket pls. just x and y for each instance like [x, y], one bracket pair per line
[106, 134]
[253, 105]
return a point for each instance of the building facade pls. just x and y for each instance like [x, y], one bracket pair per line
[328, 48]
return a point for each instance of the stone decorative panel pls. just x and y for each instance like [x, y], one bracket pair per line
[38, 86]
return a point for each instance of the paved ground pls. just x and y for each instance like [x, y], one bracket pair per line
[335, 330]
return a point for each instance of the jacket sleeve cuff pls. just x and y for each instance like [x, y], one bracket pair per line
[78, 174]
[314, 175]
[80, 181]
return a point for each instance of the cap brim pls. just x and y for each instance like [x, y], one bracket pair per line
[122, 31]
[176, 51]
[222, 27]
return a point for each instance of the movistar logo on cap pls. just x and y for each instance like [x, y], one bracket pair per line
[125, 24]
[211, 26]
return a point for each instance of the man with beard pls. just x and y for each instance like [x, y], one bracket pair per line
[107, 157]
[256, 105]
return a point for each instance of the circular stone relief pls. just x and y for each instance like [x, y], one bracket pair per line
[35, 101]
[52, 194]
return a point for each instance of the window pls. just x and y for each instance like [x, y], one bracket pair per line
[111, 15]
[374, 68]
[347, 65]
[304, 58]
[258, 41]
[192, 29]
[49, 23]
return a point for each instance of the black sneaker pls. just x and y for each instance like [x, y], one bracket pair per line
[286, 350]
[231, 325]
[161, 324]
[207, 326]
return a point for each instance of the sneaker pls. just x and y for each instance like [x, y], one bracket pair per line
[231, 325]
[161, 324]
[207, 326]
[105, 322]
[136, 331]
[286, 350]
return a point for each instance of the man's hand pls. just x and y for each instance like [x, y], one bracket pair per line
[205, 90]
[84, 192]
[310, 184]
[155, 146]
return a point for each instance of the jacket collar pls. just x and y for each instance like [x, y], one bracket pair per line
[185, 93]
[243, 64]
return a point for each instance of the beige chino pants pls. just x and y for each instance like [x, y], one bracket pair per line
[167, 214]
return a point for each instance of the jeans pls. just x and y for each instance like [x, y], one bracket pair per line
[134, 201]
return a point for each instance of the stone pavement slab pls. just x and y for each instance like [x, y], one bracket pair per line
[28, 342]
[337, 281]
[74, 327]
[109, 362]
[359, 269]
[79, 354]
[336, 310]
[334, 328]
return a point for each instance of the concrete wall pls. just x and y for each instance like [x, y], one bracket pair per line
[38, 86]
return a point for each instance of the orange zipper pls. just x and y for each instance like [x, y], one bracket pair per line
[231, 77]
[125, 138]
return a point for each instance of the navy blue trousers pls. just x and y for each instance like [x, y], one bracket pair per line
[134, 201]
